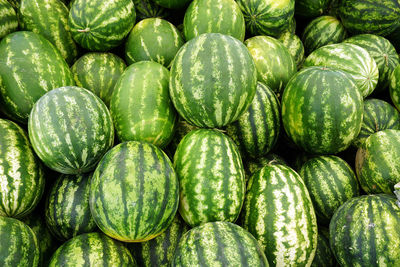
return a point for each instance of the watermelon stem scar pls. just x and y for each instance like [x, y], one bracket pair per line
[85, 30]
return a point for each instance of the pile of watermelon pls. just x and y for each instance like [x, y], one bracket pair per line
[199, 133]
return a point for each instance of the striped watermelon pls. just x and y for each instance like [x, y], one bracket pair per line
[99, 25]
[70, 129]
[98, 72]
[212, 183]
[279, 213]
[37, 15]
[378, 115]
[19, 245]
[295, 46]
[21, 174]
[376, 162]
[330, 182]
[92, 249]
[67, 207]
[311, 8]
[365, 231]
[257, 129]
[351, 58]
[323, 256]
[394, 87]
[322, 31]
[267, 17]
[8, 19]
[148, 9]
[219, 244]
[370, 16]
[173, 4]
[275, 66]
[153, 39]
[160, 251]
[382, 51]
[322, 110]
[213, 80]
[134, 192]
[31, 66]
[206, 16]
[140, 105]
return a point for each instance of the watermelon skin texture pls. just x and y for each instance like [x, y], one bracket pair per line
[129, 177]
[149, 9]
[365, 231]
[92, 249]
[141, 107]
[330, 182]
[219, 16]
[173, 4]
[251, 166]
[31, 67]
[322, 121]
[212, 184]
[368, 16]
[394, 87]
[213, 80]
[323, 255]
[101, 25]
[19, 245]
[279, 213]
[376, 167]
[70, 129]
[311, 8]
[8, 19]
[294, 45]
[219, 244]
[21, 173]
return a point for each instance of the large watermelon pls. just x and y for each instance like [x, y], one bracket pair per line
[8, 18]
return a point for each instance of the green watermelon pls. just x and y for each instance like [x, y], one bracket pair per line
[149, 9]
[311, 8]
[219, 244]
[99, 25]
[322, 110]
[98, 72]
[92, 249]
[153, 39]
[31, 66]
[206, 16]
[376, 162]
[21, 174]
[140, 105]
[173, 4]
[8, 19]
[330, 182]
[19, 245]
[394, 87]
[279, 213]
[70, 129]
[134, 192]
[275, 66]
[294, 45]
[365, 231]
[213, 80]
[212, 183]
[323, 256]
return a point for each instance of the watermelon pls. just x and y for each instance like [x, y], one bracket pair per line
[378, 115]
[351, 58]
[31, 66]
[8, 19]
[370, 16]
[322, 31]
[330, 182]
[279, 213]
[140, 105]
[394, 87]
[267, 17]
[365, 231]
[376, 162]
[19, 245]
[37, 15]
[257, 130]
[70, 129]
[311, 8]
[153, 39]
[219, 244]
[213, 80]
[173, 4]
[275, 66]
[67, 207]
[323, 256]
[92, 249]
[148, 9]
[98, 72]
[294, 45]
[382, 51]
[212, 183]
[21, 173]
[206, 16]
[101, 24]
[134, 192]
[322, 110]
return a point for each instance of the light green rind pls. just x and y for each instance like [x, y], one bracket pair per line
[8, 19]
[294, 45]
[394, 87]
